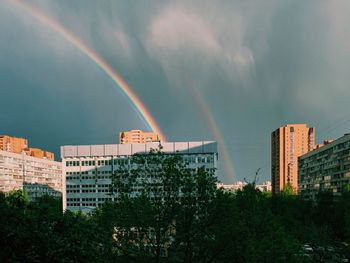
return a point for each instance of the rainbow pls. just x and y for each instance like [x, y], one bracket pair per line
[102, 64]
[216, 132]
[122, 85]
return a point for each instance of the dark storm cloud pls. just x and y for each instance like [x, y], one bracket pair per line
[259, 64]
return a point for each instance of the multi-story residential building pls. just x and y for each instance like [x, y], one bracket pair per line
[36, 175]
[325, 142]
[12, 144]
[325, 169]
[88, 169]
[137, 136]
[38, 153]
[19, 145]
[287, 144]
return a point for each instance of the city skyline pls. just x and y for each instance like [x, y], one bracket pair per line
[258, 66]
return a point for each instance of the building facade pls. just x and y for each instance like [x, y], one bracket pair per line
[20, 145]
[263, 187]
[35, 175]
[137, 136]
[12, 144]
[287, 144]
[325, 169]
[87, 169]
[38, 153]
[232, 188]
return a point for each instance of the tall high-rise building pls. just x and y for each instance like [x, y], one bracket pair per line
[137, 136]
[12, 144]
[88, 169]
[287, 144]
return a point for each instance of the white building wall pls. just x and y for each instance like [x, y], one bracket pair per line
[88, 169]
[38, 176]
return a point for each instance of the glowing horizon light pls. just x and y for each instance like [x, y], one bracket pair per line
[101, 63]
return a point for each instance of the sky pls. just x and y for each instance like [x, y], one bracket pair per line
[251, 65]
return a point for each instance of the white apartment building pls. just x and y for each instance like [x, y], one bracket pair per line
[87, 169]
[36, 175]
[231, 187]
[263, 187]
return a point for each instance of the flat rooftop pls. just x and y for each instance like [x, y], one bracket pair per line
[342, 139]
[193, 147]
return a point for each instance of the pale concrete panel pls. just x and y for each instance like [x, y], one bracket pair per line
[195, 147]
[111, 149]
[168, 147]
[181, 147]
[84, 150]
[139, 148]
[152, 145]
[68, 151]
[125, 149]
[97, 150]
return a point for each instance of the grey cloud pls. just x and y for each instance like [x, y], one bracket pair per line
[259, 64]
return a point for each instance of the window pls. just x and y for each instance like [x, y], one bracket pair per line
[72, 163]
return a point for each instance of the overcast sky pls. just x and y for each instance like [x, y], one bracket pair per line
[258, 65]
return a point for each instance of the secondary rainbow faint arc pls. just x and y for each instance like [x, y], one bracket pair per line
[77, 42]
[216, 132]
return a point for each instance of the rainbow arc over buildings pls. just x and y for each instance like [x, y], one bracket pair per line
[120, 83]
[101, 63]
[216, 132]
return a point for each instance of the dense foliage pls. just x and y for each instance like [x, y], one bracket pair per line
[181, 218]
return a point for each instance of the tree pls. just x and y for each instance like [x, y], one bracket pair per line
[288, 190]
[75, 237]
[161, 205]
[18, 198]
